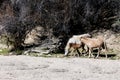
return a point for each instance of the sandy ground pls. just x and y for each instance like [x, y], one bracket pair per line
[39, 68]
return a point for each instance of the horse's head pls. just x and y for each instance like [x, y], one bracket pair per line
[67, 49]
[66, 52]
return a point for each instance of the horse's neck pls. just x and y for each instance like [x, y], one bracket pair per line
[84, 40]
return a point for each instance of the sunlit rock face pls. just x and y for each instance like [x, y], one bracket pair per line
[33, 37]
[59, 18]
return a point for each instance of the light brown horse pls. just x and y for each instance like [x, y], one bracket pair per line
[92, 43]
[75, 43]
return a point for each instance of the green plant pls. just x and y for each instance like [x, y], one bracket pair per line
[4, 51]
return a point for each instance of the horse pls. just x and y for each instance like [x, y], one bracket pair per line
[92, 43]
[75, 43]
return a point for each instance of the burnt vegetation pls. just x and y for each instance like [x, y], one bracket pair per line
[59, 18]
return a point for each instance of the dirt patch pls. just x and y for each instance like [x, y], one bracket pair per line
[39, 68]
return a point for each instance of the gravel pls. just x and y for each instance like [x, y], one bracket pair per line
[40, 68]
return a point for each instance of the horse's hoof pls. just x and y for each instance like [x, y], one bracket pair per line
[89, 57]
[96, 57]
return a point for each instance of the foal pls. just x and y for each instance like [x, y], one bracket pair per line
[94, 43]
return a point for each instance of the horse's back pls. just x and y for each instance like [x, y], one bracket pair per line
[92, 42]
[74, 40]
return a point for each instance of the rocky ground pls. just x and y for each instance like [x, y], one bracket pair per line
[40, 68]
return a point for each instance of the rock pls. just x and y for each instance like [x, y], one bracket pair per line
[33, 37]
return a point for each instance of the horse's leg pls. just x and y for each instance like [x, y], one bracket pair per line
[78, 52]
[98, 52]
[86, 51]
[73, 52]
[105, 46]
[89, 53]
[83, 49]
[105, 54]
[105, 49]
[92, 52]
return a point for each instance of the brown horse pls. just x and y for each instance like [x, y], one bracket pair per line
[75, 43]
[92, 43]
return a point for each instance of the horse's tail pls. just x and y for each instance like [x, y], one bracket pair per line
[106, 49]
[105, 46]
